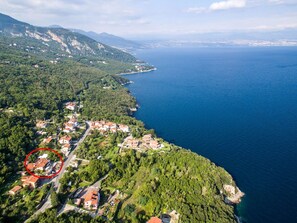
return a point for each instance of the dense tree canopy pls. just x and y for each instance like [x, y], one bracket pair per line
[152, 183]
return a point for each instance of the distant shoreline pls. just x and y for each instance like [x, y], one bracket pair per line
[138, 72]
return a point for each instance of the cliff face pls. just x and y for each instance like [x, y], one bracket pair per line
[234, 194]
[43, 40]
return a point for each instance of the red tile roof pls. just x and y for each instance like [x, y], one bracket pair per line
[67, 138]
[31, 166]
[29, 180]
[154, 220]
[91, 195]
[48, 140]
[41, 163]
[67, 145]
[33, 179]
[15, 189]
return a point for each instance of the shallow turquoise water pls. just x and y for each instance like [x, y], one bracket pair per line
[235, 106]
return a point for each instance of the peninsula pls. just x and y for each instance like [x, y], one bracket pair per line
[61, 91]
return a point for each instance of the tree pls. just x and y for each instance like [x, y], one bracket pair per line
[129, 209]
[54, 198]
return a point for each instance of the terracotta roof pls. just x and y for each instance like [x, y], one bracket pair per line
[66, 146]
[48, 140]
[147, 137]
[41, 163]
[33, 179]
[15, 189]
[29, 179]
[92, 195]
[31, 166]
[154, 220]
[67, 138]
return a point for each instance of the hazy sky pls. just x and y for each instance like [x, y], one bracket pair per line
[156, 17]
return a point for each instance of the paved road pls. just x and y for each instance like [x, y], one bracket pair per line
[98, 183]
[56, 180]
[67, 162]
[45, 206]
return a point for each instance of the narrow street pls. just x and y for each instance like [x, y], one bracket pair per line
[67, 162]
[56, 180]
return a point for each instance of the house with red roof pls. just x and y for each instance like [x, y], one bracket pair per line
[31, 166]
[15, 190]
[154, 144]
[91, 199]
[154, 220]
[41, 163]
[47, 140]
[30, 181]
[147, 138]
[124, 128]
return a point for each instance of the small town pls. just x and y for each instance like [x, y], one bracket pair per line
[66, 139]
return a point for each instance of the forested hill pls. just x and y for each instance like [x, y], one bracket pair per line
[56, 41]
[38, 76]
[112, 40]
[33, 88]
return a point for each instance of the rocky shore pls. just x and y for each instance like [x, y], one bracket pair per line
[234, 194]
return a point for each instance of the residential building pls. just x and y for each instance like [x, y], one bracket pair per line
[65, 140]
[154, 220]
[47, 140]
[40, 164]
[132, 143]
[104, 126]
[66, 149]
[91, 199]
[147, 138]
[124, 128]
[154, 144]
[30, 181]
[69, 127]
[15, 190]
[73, 163]
[41, 124]
[31, 166]
[71, 106]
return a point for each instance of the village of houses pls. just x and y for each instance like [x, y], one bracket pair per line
[87, 199]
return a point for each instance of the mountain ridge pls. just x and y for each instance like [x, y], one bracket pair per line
[52, 40]
[112, 40]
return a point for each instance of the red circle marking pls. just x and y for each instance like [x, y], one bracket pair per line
[43, 149]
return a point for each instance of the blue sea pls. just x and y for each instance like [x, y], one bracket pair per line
[235, 106]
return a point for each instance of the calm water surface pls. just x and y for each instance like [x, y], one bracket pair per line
[235, 106]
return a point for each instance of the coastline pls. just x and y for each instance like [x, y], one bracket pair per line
[233, 194]
[137, 72]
